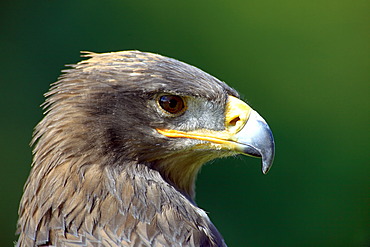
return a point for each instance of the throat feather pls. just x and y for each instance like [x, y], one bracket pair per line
[181, 170]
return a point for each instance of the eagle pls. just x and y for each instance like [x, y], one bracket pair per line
[117, 153]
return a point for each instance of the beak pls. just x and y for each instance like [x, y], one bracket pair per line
[246, 132]
[255, 139]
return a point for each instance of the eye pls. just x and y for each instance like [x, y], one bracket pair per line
[172, 103]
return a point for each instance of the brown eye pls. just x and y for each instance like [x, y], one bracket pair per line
[172, 103]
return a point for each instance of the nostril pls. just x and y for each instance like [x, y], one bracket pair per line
[234, 121]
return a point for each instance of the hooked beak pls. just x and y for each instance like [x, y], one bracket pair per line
[246, 132]
[255, 139]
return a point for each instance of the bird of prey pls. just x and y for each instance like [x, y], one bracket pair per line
[119, 148]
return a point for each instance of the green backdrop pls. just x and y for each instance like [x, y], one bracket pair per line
[303, 65]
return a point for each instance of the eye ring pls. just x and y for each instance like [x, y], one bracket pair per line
[172, 104]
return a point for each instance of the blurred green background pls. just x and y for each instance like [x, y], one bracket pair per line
[303, 65]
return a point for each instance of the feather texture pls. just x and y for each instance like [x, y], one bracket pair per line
[101, 175]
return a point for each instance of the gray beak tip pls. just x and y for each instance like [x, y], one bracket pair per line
[266, 165]
[268, 156]
[257, 140]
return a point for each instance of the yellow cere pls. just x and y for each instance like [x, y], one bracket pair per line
[236, 115]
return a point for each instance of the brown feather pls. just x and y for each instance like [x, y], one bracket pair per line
[101, 175]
